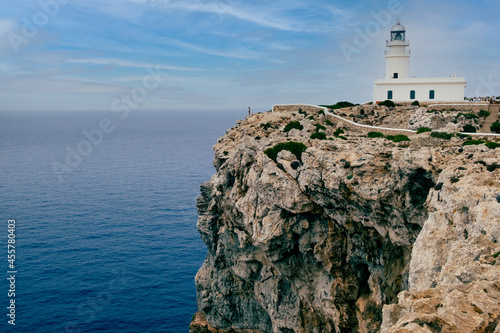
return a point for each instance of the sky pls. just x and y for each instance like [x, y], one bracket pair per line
[189, 55]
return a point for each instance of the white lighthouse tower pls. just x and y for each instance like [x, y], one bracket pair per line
[397, 58]
[398, 86]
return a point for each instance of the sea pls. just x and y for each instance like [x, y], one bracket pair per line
[99, 210]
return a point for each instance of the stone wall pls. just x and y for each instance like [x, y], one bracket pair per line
[476, 107]
[296, 108]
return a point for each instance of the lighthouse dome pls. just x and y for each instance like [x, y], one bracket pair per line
[398, 27]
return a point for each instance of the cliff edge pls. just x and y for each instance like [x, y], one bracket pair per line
[350, 233]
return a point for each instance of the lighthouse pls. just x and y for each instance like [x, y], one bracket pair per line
[397, 58]
[398, 86]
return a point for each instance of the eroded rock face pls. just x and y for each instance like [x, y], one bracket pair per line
[325, 242]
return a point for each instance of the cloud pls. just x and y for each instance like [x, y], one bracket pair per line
[9, 69]
[237, 54]
[6, 26]
[123, 63]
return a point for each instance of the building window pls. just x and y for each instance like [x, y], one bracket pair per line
[432, 94]
[389, 94]
[412, 94]
[395, 76]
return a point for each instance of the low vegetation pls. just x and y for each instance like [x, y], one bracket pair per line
[400, 137]
[495, 127]
[293, 124]
[375, 135]
[337, 132]
[442, 135]
[296, 148]
[266, 126]
[468, 115]
[423, 130]
[473, 142]
[469, 129]
[319, 127]
[415, 103]
[319, 135]
[484, 113]
[388, 103]
[492, 145]
[339, 105]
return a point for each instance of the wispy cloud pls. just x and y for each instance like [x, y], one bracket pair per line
[123, 63]
[9, 69]
[237, 54]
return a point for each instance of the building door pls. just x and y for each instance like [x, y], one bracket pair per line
[412, 94]
[432, 94]
[389, 94]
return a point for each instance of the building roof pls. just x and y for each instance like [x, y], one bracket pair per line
[398, 27]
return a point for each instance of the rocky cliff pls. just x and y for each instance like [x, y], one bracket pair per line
[348, 234]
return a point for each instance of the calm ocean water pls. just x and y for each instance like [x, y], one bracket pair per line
[111, 245]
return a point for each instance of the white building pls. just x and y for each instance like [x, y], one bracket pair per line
[399, 87]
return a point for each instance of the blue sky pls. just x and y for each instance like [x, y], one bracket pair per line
[231, 54]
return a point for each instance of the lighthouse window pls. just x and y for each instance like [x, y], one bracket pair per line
[431, 94]
[389, 94]
[395, 75]
[412, 94]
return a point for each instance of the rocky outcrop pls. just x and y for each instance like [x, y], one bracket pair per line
[351, 235]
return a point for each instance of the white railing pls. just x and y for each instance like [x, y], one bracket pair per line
[376, 127]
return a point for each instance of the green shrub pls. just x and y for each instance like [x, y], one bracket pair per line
[321, 112]
[415, 103]
[350, 177]
[468, 115]
[464, 136]
[303, 112]
[339, 105]
[375, 135]
[329, 123]
[400, 137]
[295, 165]
[296, 148]
[423, 130]
[390, 137]
[492, 145]
[311, 117]
[498, 253]
[473, 142]
[266, 126]
[484, 113]
[319, 135]
[495, 127]
[338, 132]
[342, 137]
[293, 124]
[388, 103]
[442, 135]
[319, 127]
[469, 129]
